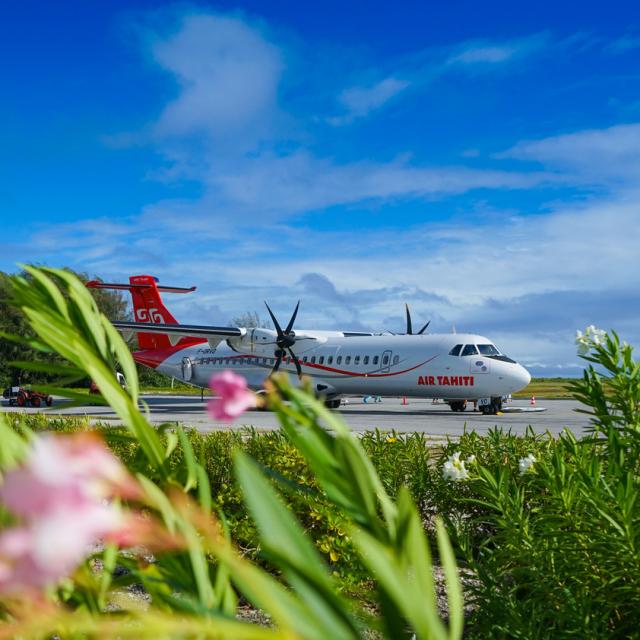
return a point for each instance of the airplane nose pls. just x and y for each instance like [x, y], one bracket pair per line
[521, 377]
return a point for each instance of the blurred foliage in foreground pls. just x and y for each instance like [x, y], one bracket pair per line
[197, 573]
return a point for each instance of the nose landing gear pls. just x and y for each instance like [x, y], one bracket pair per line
[492, 407]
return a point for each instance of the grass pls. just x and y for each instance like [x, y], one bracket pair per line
[553, 388]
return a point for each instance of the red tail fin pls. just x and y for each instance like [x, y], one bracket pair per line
[147, 306]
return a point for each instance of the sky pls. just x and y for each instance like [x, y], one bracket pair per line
[479, 161]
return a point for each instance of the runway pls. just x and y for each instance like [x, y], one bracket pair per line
[415, 416]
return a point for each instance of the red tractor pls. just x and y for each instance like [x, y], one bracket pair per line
[26, 397]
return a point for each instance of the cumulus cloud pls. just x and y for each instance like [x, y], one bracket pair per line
[227, 72]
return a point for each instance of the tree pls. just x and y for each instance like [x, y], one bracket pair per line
[250, 320]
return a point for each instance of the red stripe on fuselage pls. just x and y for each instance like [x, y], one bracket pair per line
[355, 374]
[155, 357]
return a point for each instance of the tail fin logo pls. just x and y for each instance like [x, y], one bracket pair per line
[149, 315]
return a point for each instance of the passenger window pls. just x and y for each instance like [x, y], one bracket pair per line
[365, 360]
[396, 359]
[456, 350]
[313, 359]
[347, 360]
[356, 360]
[330, 360]
[304, 359]
[376, 359]
[469, 350]
[385, 360]
[339, 360]
[321, 360]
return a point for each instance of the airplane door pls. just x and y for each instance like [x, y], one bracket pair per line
[385, 361]
[187, 369]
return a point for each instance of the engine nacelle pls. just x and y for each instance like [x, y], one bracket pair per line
[262, 342]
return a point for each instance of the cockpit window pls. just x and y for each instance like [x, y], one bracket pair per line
[469, 350]
[488, 350]
[456, 350]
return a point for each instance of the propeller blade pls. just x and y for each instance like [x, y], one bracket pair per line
[297, 363]
[293, 318]
[276, 366]
[409, 326]
[276, 324]
[424, 328]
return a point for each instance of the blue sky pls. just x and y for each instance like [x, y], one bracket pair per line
[477, 160]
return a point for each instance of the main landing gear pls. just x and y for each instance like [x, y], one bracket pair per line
[458, 405]
[333, 403]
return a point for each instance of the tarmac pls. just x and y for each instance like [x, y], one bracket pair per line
[418, 415]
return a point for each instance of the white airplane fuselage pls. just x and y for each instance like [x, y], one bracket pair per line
[397, 365]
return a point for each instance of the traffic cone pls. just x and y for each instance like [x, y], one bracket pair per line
[404, 399]
[533, 401]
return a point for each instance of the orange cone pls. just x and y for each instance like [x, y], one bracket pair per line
[533, 401]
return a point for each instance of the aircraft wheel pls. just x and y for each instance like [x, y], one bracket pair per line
[458, 405]
[332, 404]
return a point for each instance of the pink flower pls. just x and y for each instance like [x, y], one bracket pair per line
[49, 548]
[61, 492]
[234, 397]
[64, 471]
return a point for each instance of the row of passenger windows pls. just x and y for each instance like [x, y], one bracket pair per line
[474, 350]
[356, 359]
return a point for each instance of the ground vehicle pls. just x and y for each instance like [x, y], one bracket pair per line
[26, 397]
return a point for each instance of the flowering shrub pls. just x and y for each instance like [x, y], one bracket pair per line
[553, 551]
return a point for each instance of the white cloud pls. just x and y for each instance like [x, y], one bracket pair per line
[596, 155]
[301, 182]
[491, 55]
[228, 75]
[482, 53]
[623, 44]
[361, 100]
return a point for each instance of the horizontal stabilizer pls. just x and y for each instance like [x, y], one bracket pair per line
[183, 330]
[96, 284]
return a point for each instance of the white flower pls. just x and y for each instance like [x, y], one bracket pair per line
[471, 459]
[526, 463]
[592, 337]
[454, 468]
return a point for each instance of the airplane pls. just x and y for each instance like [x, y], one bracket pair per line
[455, 367]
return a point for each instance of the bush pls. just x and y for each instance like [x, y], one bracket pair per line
[555, 543]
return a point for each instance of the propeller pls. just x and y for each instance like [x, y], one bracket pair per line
[284, 340]
[410, 326]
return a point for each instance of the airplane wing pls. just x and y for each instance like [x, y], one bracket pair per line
[175, 332]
